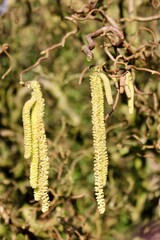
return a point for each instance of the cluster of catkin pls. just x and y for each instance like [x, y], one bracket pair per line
[98, 79]
[35, 144]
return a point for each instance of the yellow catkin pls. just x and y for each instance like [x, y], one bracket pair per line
[43, 148]
[44, 168]
[37, 196]
[126, 86]
[131, 100]
[34, 166]
[129, 90]
[107, 87]
[26, 118]
[99, 138]
[36, 144]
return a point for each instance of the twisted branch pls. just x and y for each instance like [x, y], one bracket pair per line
[106, 30]
[48, 50]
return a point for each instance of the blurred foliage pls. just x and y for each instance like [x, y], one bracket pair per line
[133, 186]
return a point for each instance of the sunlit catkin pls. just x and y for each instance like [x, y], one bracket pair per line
[44, 167]
[99, 137]
[107, 87]
[37, 196]
[26, 118]
[43, 148]
[126, 86]
[129, 83]
[34, 166]
[37, 145]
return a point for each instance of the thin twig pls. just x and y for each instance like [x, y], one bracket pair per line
[108, 53]
[143, 69]
[4, 49]
[140, 92]
[156, 3]
[140, 19]
[11, 64]
[149, 30]
[47, 51]
[82, 74]
[110, 20]
[114, 105]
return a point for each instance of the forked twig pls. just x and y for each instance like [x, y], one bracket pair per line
[4, 48]
[47, 51]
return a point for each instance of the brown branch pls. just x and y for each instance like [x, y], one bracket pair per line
[4, 49]
[143, 69]
[153, 43]
[105, 32]
[110, 20]
[156, 3]
[82, 74]
[114, 105]
[47, 51]
[108, 53]
[123, 125]
[131, 7]
[140, 92]
[140, 19]
[85, 8]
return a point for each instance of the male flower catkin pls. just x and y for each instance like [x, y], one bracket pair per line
[99, 137]
[107, 87]
[27, 127]
[35, 144]
[129, 89]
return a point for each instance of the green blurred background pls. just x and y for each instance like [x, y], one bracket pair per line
[133, 187]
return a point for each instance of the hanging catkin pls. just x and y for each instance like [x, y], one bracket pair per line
[99, 137]
[129, 89]
[107, 87]
[35, 149]
[35, 144]
[27, 127]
